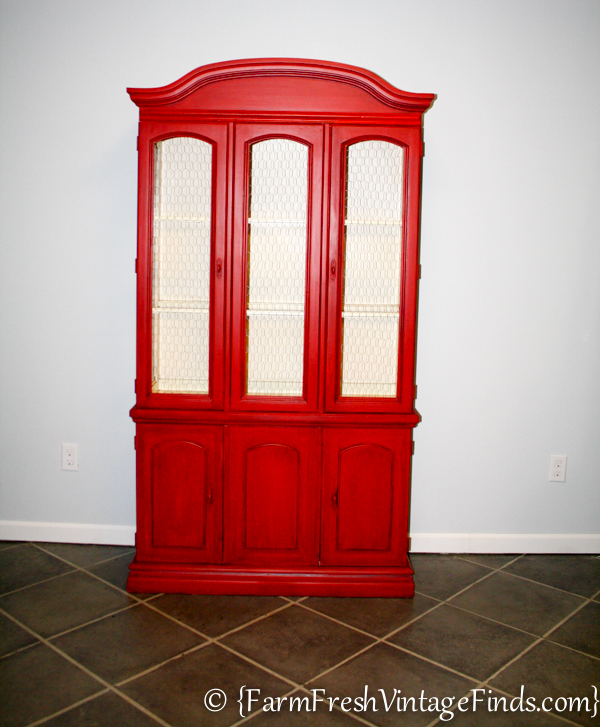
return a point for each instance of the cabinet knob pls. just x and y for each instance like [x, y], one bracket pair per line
[209, 497]
[334, 499]
[219, 267]
[333, 269]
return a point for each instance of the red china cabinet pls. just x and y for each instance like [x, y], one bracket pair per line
[277, 288]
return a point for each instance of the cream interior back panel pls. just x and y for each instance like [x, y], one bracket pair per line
[276, 259]
[181, 266]
[372, 269]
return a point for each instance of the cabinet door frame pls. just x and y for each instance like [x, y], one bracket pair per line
[336, 441]
[216, 134]
[246, 134]
[410, 139]
[240, 441]
[210, 439]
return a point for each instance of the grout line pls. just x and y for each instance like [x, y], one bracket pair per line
[567, 617]
[96, 677]
[208, 641]
[154, 667]
[493, 620]
[14, 544]
[262, 667]
[93, 621]
[465, 556]
[462, 590]
[68, 709]
[341, 623]
[20, 649]
[360, 652]
[435, 663]
[538, 637]
[369, 633]
[93, 575]
[37, 583]
[212, 639]
[91, 565]
[545, 585]
[414, 620]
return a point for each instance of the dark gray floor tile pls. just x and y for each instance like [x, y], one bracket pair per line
[215, 615]
[463, 641]
[37, 682]
[297, 643]
[115, 571]
[549, 670]
[107, 710]
[10, 543]
[126, 643]
[578, 574]
[399, 675]
[377, 616]
[441, 576]
[176, 691]
[289, 714]
[26, 564]
[12, 636]
[515, 602]
[63, 603]
[495, 711]
[581, 631]
[491, 560]
[85, 555]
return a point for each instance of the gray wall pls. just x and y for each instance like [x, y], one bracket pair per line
[509, 329]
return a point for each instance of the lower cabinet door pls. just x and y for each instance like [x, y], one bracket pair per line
[272, 496]
[364, 511]
[180, 485]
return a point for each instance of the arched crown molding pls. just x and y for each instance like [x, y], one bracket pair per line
[336, 73]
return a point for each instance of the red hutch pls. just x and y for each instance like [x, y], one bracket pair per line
[277, 288]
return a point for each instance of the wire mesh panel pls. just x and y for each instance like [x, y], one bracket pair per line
[276, 260]
[181, 266]
[371, 269]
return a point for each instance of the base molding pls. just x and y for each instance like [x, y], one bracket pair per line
[91, 533]
[234, 580]
[555, 543]
[82, 533]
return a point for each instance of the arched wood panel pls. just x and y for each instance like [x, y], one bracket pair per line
[272, 495]
[364, 510]
[180, 476]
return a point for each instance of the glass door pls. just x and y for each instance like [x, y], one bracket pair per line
[372, 255]
[182, 313]
[276, 267]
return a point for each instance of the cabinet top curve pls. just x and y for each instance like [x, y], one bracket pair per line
[290, 85]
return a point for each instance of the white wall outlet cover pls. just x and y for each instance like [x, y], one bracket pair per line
[558, 467]
[70, 459]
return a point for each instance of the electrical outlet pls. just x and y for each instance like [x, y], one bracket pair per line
[558, 467]
[70, 460]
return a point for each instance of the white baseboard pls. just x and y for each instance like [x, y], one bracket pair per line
[420, 542]
[68, 533]
[504, 543]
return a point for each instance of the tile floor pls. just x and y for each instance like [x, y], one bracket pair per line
[76, 650]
